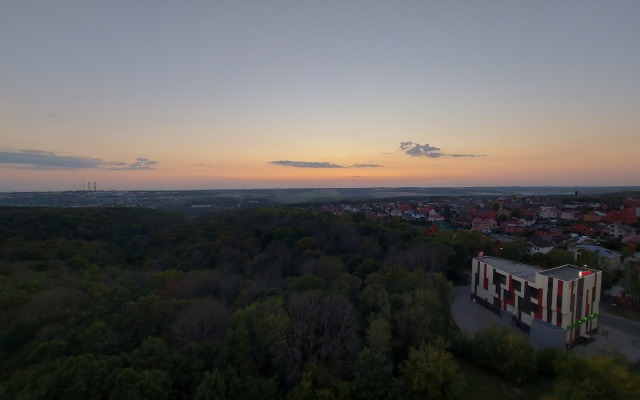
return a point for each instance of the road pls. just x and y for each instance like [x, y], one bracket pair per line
[619, 323]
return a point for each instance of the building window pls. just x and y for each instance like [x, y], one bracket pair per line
[517, 285]
[498, 278]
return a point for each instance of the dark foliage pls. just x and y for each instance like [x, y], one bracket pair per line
[266, 303]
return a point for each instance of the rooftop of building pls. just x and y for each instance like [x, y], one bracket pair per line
[524, 271]
[540, 242]
[599, 250]
[567, 272]
[528, 272]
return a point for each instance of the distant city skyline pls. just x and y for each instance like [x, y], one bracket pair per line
[280, 94]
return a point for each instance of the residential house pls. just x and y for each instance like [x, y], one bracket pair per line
[593, 216]
[483, 224]
[536, 244]
[618, 230]
[609, 259]
[434, 216]
[570, 215]
[548, 212]
[513, 226]
[585, 229]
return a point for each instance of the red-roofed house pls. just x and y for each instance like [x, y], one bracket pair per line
[483, 224]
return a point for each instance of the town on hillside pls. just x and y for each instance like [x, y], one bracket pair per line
[598, 232]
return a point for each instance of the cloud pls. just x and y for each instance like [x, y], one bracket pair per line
[305, 164]
[44, 160]
[366, 166]
[33, 159]
[467, 155]
[323, 164]
[417, 150]
[140, 164]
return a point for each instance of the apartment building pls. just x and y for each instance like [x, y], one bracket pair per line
[562, 302]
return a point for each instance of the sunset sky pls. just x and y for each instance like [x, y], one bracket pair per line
[258, 94]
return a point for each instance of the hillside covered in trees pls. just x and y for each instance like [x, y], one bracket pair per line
[265, 303]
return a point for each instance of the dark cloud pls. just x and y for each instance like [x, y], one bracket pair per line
[33, 159]
[305, 164]
[417, 150]
[366, 166]
[44, 160]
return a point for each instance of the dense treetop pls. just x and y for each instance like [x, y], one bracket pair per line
[266, 303]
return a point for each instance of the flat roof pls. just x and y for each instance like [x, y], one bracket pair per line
[524, 271]
[567, 272]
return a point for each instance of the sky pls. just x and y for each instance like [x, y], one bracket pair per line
[273, 94]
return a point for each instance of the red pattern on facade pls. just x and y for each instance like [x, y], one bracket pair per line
[558, 300]
[538, 313]
[485, 283]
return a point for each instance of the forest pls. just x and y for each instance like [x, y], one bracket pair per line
[278, 303]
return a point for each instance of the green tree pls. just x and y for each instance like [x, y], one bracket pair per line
[418, 318]
[135, 384]
[515, 250]
[554, 258]
[78, 377]
[374, 377]
[431, 372]
[212, 387]
[594, 377]
[503, 351]
[256, 341]
[379, 335]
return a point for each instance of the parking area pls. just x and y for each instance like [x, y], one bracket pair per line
[472, 317]
[613, 337]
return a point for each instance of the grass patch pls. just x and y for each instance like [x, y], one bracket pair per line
[483, 384]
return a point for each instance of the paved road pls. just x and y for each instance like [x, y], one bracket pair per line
[619, 323]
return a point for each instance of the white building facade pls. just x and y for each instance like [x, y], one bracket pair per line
[567, 297]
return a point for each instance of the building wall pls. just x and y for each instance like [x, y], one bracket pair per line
[567, 303]
[504, 291]
[572, 305]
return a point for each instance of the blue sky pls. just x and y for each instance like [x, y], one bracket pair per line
[212, 94]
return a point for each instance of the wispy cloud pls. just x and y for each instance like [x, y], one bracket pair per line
[45, 160]
[319, 164]
[140, 164]
[418, 150]
[366, 166]
[467, 155]
[305, 164]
